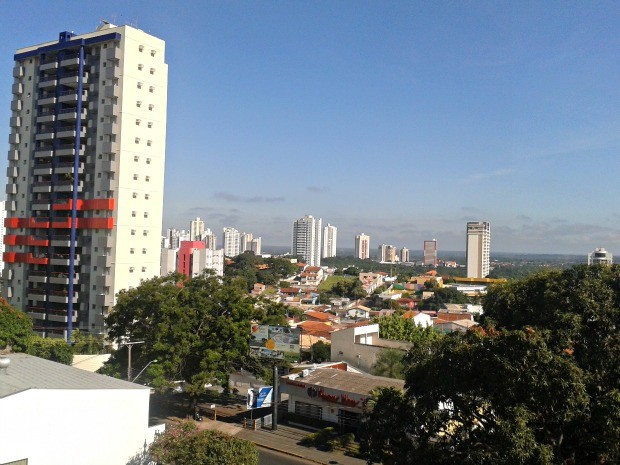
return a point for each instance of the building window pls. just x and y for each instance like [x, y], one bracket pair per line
[138, 103]
[148, 161]
[131, 269]
[151, 89]
[153, 53]
[137, 140]
[138, 122]
[143, 251]
[151, 106]
[136, 158]
[146, 196]
[146, 214]
[141, 48]
[140, 66]
[135, 195]
[133, 232]
[152, 70]
[139, 85]
[144, 269]
[149, 142]
[131, 250]
[148, 178]
[133, 214]
[145, 233]
[150, 125]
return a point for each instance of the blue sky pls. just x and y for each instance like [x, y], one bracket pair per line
[402, 120]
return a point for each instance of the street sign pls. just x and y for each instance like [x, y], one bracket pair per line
[258, 398]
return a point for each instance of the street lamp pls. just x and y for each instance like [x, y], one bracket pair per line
[129, 345]
[142, 371]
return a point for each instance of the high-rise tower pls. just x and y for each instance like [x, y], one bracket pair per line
[196, 229]
[86, 175]
[330, 236]
[307, 239]
[478, 249]
[362, 246]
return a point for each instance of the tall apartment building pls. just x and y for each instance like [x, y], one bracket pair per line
[362, 246]
[210, 239]
[478, 249]
[193, 258]
[307, 239]
[245, 239]
[330, 236]
[430, 253]
[404, 255]
[255, 245]
[85, 176]
[2, 232]
[387, 253]
[231, 242]
[196, 229]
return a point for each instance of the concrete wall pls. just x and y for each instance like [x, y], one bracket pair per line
[66, 427]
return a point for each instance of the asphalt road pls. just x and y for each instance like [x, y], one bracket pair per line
[268, 457]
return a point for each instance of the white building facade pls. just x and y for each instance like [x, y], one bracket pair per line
[478, 249]
[330, 236]
[600, 256]
[196, 229]
[231, 242]
[85, 176]
[307, 239]
[362, 246]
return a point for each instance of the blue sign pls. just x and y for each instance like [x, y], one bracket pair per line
[258, 398]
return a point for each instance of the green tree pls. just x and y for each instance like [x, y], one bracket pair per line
[537, 383]
[321, 352]
[56, 350]
[390, 364]
[184, 444]
[15, 327]
[197, 329]
[397, 328]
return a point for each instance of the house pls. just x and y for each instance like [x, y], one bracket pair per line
[316, 328]
[258, 289]
[359, 311]
[312, 315]
[57, 414]
[420, 319]
[312, 276]
[359, 345]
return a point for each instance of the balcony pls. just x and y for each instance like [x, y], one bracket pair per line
[63, 259]
[61, 297]
[15, 121]
[72, 96]
[103, 280]
[104, 300]
[36, 313]
[40, 205]
[70, 114]
[110, 110]
[112, 53]
[63, 278]
[109, 72]
[68, 150]
[48, 81]
[104, 261]
[68, 168]
[45, 134]
[47, 117]
[70, 133]
[11, 188]
[43, 152]
[41, 187]
[72, 79]
[109, 166]
[18, 71]
[110, 128]
[13, 155]
[48, 64]
[11, 171]
[17, 88]
[37, 277]
[47, 100]
[60, 317]
[67, 186]
[14, 138]
[42, 170]
[109, 147]
[110, 91]
[16, 105]
[70, 61]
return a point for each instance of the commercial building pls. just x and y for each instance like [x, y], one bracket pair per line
[85, 175]
[196, 229]
[430, 253]
[600, 256]
[478, 249]
[306, 241]
[362, 246]
[57, 414]
[330, 236]
[231, 242]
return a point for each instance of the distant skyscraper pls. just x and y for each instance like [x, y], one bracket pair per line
[210, 239]
[230, 242]
[362, 246]
[430, 253]
[245, 239]
[330, 234]
[404, 255]
[600, 256]
[255, 246]
[307, 239]
[196, 229]
[478, 249]
[387, 253]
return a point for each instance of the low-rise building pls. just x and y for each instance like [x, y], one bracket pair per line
[57, 414]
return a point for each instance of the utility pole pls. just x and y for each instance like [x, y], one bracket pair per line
[129, 345]
[275, 398]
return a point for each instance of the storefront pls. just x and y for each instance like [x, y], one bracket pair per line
[327, 395]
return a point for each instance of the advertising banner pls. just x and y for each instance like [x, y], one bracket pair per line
[261, 397]
[275, 341]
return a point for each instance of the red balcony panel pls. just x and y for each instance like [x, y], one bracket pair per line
[10, 239]
[98, 204]
[36, 223]
[95, 223]
[37, 242]
[9, 257]
[36, 260]
[60, 224]
[64, 206]
[12, 257]
[12, 222]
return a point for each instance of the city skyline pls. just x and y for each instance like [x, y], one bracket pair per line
[511, 110]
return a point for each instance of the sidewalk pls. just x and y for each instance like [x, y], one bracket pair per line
[283, 440]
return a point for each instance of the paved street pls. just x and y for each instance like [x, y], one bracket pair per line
[269, 457]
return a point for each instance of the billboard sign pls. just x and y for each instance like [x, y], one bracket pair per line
[275, 341]
[258, 398]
